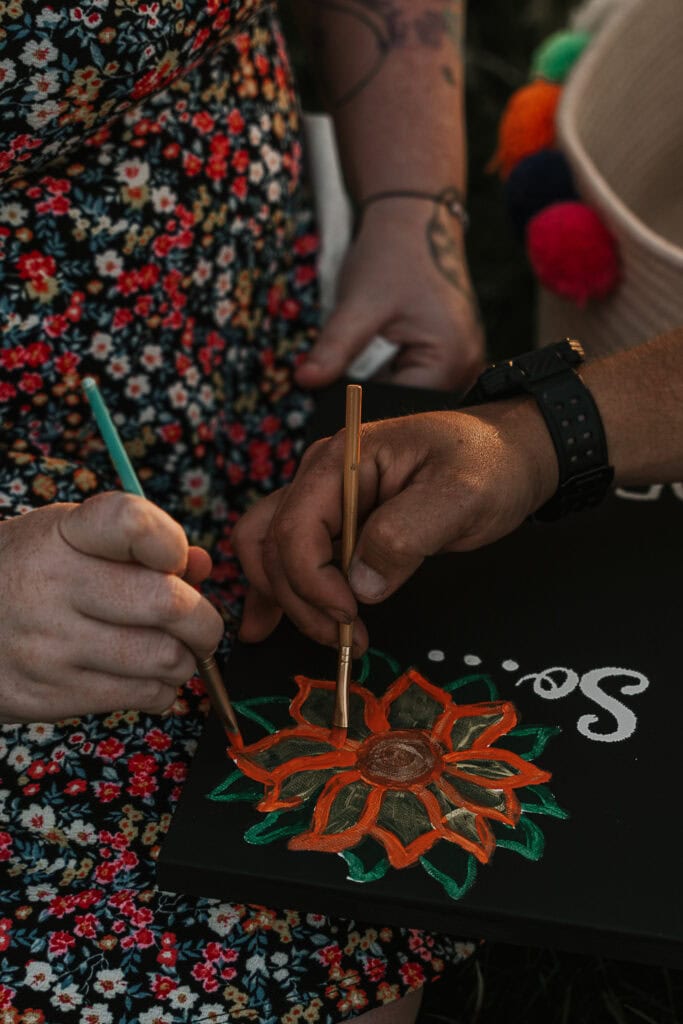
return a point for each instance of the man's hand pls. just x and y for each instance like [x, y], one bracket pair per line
[98, 609]
[446, 481]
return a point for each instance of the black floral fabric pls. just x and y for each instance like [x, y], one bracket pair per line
[153, 235]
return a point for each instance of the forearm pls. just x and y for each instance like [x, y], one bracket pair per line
[639, 393]
[392, 76]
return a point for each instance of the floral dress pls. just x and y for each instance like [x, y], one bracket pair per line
[153, 235]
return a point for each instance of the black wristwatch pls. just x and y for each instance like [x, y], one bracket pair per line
[570, 413]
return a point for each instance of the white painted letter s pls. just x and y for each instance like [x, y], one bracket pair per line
[625, 718]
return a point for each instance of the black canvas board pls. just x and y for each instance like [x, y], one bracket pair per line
[599, 590]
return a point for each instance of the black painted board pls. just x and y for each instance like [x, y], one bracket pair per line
[601, 590]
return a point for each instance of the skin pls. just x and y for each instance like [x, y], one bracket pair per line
[98, 609]
[392, 74]
[446, 481]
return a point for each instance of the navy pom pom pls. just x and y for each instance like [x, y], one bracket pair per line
[536, 182]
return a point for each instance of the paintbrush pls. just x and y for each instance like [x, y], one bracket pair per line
[354, 395]
[207, 667]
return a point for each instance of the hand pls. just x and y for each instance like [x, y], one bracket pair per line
[446, 481]
[94, 616]
[405, 277]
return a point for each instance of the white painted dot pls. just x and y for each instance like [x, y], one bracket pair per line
[436, 656]
[510, 666]
[472, 659]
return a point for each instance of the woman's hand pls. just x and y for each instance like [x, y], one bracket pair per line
[98, 610]
[444, 481]
[405, 277]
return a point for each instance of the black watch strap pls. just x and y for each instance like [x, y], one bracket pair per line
[571, 416]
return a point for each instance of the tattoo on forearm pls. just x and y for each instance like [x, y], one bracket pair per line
[445, 252]
[434, 26]
[390, 25]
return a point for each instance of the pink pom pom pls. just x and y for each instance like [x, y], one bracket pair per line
[572, 252]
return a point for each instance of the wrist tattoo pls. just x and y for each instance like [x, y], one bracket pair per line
[443, 248]
[451, 198]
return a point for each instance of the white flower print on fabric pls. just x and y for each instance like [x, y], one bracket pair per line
[112, 258]
[39, 975]
[110, 983]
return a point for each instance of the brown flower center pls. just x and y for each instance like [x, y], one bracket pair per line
[398, 759]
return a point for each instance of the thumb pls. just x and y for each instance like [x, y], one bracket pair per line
[395, 540]
[346, 332]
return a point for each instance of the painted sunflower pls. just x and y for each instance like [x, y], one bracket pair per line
[416, 768]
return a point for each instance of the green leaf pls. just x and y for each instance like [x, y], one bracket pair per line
[533, 739]
[452, 888]
[540, 800]
[365, 664]
[529, 840]
[245, 708]
[477, 677]
[268, 830]
[229, 790]
[358, 872]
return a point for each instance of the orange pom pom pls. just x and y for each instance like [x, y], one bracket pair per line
[527, 125]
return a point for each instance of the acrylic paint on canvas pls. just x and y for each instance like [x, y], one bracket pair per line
[434, 777]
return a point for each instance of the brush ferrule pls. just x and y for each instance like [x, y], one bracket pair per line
[341, 705]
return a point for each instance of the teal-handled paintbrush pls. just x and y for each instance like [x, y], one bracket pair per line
[207, 667]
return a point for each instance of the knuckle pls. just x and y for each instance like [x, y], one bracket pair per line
[172, 658]
[134, 517]
[169, 599]
[324, 453]
[285, 526]
[312, 454]
[390, 539]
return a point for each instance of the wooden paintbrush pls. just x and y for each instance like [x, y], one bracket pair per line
[354, 395]
[207, 667]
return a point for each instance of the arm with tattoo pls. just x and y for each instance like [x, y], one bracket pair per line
[391, 73]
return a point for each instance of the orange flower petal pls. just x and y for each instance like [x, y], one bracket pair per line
[372, 713]
[494, 768]
[482, 847]
[464, 726]
[496, 804]
[335, 842]
[401, 856]
[435, 703]
[465, 827]
[307, 781]
[327, 757]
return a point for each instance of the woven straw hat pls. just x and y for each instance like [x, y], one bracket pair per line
[620, 124]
